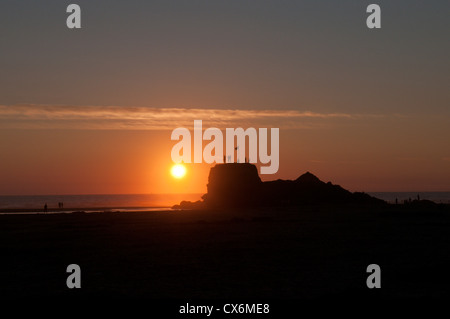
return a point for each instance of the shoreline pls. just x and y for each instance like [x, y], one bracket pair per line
[313, 252]
[87, 210]
[411, 207]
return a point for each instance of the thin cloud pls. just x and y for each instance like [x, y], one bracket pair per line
[144, 118]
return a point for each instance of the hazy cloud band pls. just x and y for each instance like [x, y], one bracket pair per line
[144, 118]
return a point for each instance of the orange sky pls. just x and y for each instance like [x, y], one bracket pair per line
[361, 153]
[90, 111]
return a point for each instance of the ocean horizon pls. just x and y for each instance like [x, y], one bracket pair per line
[153, 201]
[112, 201]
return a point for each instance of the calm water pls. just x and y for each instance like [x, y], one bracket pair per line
[157, 201]
[94, 201]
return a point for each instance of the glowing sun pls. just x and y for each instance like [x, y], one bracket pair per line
[178, 171]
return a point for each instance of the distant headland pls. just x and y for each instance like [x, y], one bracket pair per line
[236, 185]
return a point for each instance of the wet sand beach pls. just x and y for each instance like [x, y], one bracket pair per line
[304, 252]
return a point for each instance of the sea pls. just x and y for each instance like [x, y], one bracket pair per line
[150, 202]
[89, 203]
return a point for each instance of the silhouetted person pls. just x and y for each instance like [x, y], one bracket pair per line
[45, 208]
[418, 197]
[396, 201]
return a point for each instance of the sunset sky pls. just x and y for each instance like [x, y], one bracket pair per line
[91, 111]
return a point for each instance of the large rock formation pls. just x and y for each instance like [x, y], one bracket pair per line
[233, 185]
[308, 189]
[238, 185]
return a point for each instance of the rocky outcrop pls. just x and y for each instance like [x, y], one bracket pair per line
[308, 189]
[239, 185]
[233, 185]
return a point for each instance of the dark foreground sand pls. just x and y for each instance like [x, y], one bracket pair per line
[312, 252]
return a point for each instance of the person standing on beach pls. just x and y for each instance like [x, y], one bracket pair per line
[45, 208]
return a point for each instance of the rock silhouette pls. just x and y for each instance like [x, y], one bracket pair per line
[233, 185]
[239, 185]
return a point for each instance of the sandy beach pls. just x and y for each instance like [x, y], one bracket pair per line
[307, 252]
